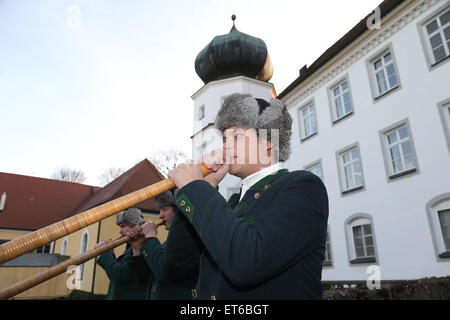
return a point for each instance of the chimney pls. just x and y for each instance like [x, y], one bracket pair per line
[303, 71]
[2, 202]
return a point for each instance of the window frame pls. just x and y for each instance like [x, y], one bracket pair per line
[328, 263]
[64, 245]
[331, 100]
[376, 95]
[301, 124]
[313, 164]
[355, 220]
[444, 112]
[341, 170]
[425, 39]
[391, 175]
[445, 238]
[81, 268]
[433, 207]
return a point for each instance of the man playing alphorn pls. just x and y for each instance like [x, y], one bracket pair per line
[268, 241]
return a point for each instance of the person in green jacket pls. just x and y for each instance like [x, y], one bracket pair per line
[123, 285]
[165, 282]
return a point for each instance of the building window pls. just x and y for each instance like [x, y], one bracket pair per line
[341, 101]
[350, 169]
[438, 212]
[361, 239]
[399, 154]
[437, 36]
[444, 111]
[83, 248]
[44, 249]
[316, 168]
[444, 219]
[201, 112]
[64, 246]
[383, 73]
[307, 121]
[328, 261]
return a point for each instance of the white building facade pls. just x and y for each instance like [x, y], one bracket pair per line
[373, 122]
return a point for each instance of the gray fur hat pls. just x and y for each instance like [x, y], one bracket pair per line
[131, 217]
[243, 110]
[165, 199]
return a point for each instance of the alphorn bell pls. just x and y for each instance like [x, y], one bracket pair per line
[36, 239]
[62, 267]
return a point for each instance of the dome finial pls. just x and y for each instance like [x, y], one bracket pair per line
[233, 17]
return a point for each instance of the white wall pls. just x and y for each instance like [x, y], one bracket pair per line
[402, 231]
[398, 208]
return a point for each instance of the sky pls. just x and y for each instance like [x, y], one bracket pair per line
[94, 84]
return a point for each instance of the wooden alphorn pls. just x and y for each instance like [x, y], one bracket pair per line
[36, 239]
[62, 267]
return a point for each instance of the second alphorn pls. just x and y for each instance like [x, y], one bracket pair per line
[60, 268]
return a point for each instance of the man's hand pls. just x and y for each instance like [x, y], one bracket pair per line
[149, 230]
[104, 243]
[136, 239]
[186, 173]
[216, 162]
[190, 171]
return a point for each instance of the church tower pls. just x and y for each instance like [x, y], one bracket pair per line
[232, 63]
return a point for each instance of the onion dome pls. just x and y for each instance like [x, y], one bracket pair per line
[234, 54]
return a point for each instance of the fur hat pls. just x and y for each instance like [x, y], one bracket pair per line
[131, 217]
[165, 199]
[243, 110]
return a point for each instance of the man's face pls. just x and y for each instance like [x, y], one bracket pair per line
[123, 228]
[244, 151]
[166, 214]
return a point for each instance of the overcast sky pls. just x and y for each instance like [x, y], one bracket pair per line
[92, 84]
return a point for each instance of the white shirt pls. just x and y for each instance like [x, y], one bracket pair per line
[250, 180]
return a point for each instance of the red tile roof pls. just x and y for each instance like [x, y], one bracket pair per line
[141, 175]
[33, 203]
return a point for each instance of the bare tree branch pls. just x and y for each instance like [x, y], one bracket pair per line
[109, 175]
[166, 160]
[70, 175]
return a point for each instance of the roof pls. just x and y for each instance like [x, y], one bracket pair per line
[33, 203]
[385, 7]
[141, 175]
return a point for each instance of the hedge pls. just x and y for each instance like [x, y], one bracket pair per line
[420, 289]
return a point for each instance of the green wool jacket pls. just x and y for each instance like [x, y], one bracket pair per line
[163, 281]
[269, 245]
[123, 284]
